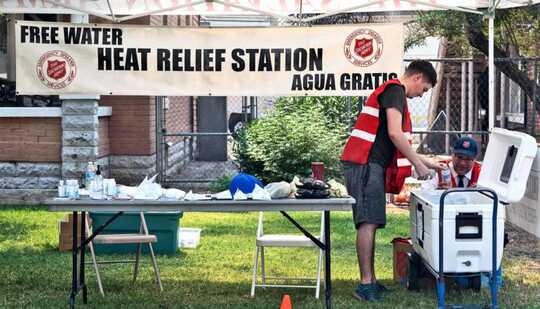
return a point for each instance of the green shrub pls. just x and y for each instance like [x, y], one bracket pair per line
[285, 143]
[221, 183]
[336, 111]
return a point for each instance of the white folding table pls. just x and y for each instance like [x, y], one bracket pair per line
[118, 207]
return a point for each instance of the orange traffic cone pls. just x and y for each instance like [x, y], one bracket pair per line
[286, 302]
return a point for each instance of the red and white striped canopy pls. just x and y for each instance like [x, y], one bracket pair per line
[129, 9]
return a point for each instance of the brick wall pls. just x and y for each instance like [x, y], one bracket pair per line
[132, 125]
[178, 117]
[104, 142]
[30, 139]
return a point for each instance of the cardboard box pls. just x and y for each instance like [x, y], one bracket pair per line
[402, 247]
[65, 236]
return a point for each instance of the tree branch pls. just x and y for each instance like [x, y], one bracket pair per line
[478, 40]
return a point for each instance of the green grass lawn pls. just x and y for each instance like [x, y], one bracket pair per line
[218, 273]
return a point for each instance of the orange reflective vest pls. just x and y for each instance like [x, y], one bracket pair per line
[363, 135]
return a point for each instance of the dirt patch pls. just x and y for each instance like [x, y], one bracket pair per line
[397, 208]
[523, 245]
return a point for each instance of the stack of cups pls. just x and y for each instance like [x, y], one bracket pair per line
[72, 188]
[109, 187]
[61, 189]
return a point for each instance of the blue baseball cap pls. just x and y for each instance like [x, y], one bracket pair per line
[465, 146]
[244, 182]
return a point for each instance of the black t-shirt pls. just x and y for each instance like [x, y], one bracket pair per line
[382, 151]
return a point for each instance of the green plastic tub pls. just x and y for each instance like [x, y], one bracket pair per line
[163, 225]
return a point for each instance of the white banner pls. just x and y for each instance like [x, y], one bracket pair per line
[62, 58]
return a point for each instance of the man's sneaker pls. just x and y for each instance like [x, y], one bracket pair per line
[367, 292]
[380, 287]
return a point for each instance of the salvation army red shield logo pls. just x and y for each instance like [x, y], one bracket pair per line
[363, 47]
[56, 69]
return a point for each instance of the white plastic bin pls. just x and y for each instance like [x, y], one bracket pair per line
[188, 237]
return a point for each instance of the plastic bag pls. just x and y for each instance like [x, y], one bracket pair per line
[190, 196]
[174, 194]
[239, 195]
[293, 184]
[223, 195]
[148, 190]
[337, 189]
[280, 189]
[260, 194]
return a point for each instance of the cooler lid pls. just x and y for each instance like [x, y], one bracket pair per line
[456, 202]
[433, 197]
[507, 163]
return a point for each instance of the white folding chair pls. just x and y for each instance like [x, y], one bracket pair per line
[283, 240]
[142, 238]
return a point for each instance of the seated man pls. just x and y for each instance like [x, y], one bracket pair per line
[464, 169]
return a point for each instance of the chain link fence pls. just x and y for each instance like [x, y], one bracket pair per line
[456, 106]
[459, 103]
[450, 109]
[195, 144]
[517, 97]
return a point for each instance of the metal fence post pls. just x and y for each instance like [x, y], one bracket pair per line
[470, 101]
[447, 110]
[159, 139]
[503, 98]
[192, 104]
[252, 107]
[463, 96]
[535, 89]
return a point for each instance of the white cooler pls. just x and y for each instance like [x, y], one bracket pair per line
[468, 216]
[466, 228]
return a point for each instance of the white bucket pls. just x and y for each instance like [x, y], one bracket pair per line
[188, 237]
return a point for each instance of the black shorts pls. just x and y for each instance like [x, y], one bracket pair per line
[365, 182]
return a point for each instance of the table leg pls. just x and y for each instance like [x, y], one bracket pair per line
[327, 269]
[78, 280]
[74, 246]
[83, 251]
[324, 246]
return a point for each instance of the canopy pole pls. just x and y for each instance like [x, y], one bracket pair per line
[71, 7]
[491, 64]
[167, 9]
[442, 6]
[249, 9]
[344, 10]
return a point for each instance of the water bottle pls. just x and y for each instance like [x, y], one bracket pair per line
[61, 189]
[98, 184]
[72, 188]
[446, 177]
[89, 174]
